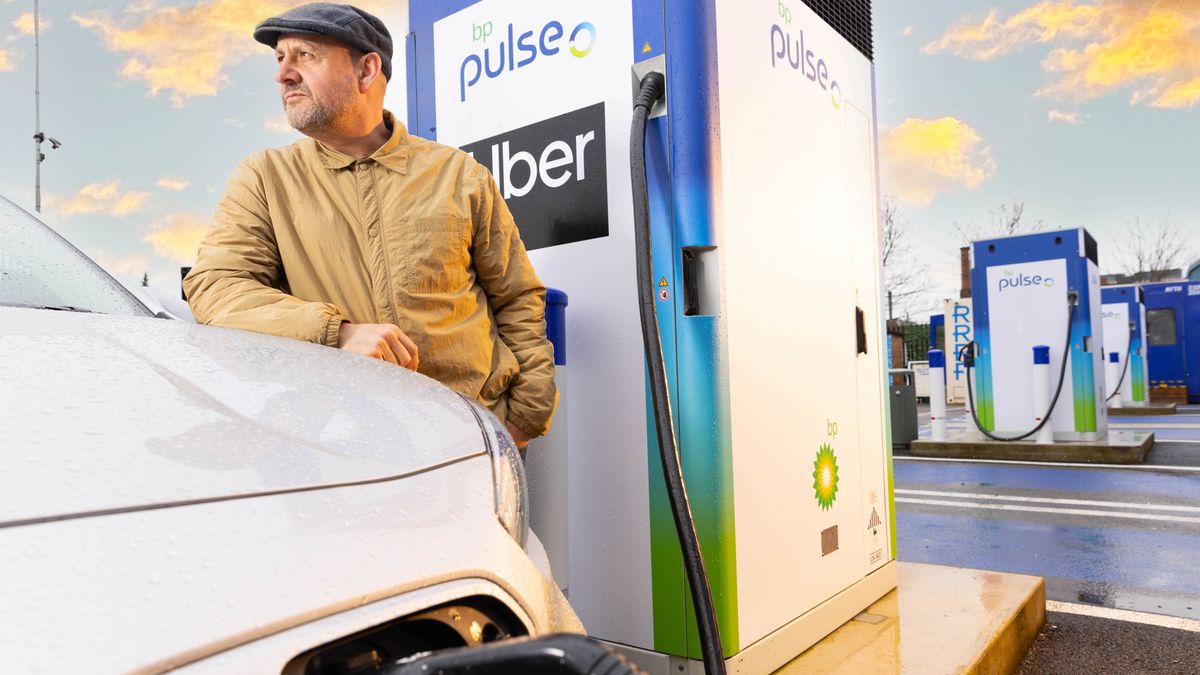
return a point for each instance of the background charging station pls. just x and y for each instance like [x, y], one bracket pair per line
[762, 170]
[1122, 306]
[1021, 286]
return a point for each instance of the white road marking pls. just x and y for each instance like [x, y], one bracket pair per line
[1152, 427]
[1084, 465]
[1038, 509]
[1050, 500]
[1190, 625]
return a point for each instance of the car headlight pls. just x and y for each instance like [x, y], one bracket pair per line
[508, 475]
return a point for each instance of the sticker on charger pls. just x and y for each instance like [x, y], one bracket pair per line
[553, 176]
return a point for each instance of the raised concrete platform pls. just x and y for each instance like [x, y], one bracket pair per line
[1137, 411]
[939, 620]
[1119, 447]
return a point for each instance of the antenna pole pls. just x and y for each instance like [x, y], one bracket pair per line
[38, 137]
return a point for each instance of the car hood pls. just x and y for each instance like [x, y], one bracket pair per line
[103, 414]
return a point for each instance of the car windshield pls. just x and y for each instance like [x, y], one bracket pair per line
[38, 268]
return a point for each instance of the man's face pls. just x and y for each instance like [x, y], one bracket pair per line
[316, 80]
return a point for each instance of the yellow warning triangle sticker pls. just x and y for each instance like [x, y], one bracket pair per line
[662, 283]
[646, 48]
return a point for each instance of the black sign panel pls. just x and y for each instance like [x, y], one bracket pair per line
[553, 176]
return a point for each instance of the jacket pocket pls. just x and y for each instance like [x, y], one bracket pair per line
[436, 254]
[504, 368]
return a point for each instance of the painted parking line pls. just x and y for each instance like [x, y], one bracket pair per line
[1051, 500]
[1179, 434]
[1045, 509]
[1152, 426]
[1190, 625]
[1084, 465]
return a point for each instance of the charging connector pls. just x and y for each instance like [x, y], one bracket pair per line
[651, 88]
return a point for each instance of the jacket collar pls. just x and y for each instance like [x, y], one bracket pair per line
[393, 154]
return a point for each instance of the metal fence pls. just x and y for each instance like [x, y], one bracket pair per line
[916, 341]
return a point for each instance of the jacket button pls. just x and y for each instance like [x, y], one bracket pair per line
[373, 231]
[385, 302]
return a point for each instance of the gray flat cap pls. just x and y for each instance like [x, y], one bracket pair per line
[351, 25]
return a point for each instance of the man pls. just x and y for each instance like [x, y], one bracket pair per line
[367, 239]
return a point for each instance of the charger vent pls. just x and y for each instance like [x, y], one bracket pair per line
[850, 18]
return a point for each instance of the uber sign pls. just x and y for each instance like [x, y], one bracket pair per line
[553, 177]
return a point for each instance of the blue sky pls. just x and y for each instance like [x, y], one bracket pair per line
[1117, 148]
[1084, 110]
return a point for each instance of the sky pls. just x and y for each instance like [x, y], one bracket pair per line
[155, 103]
[1085, 111]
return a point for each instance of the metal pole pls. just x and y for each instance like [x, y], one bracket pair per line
[37, 112]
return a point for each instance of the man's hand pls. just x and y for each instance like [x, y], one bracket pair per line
[518, 435]
[382, 341]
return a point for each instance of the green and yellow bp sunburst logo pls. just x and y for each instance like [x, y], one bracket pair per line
[825, 477]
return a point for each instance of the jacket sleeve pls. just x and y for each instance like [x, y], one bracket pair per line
[518, 301]
[238, 278]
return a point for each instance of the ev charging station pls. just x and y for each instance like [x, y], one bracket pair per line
[763, 202]
[1124, 310]
[1026, 288]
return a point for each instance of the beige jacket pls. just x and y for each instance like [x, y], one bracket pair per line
[416, 235]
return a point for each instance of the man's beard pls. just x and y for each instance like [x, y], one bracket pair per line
[320, 113]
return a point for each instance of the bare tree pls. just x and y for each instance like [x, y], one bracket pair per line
[1154, 253]
[904, 276]
[1005, 220]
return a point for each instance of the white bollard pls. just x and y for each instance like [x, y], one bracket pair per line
[937, 393]
[1041, 392]
[1112, 375]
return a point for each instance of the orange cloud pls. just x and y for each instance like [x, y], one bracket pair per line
[7, 64]
[185, 51]
[178, 236]
[1151, 47]
[924, 158]
[172, 184]
[24, 23]
[107, 198]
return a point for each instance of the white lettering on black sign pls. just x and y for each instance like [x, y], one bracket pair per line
[553, 177]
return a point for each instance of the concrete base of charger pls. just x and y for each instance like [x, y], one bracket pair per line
[938, 620]
[1140, 410]
[1119, 447]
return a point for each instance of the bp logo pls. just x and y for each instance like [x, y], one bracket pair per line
[825, 477]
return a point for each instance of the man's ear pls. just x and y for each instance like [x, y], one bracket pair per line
[369, 67]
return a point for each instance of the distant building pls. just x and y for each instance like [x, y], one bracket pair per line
[1193, 273]
[1148, 277]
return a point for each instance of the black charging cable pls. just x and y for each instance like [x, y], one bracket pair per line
[966, 354]
[652, 88]
[1125, 368]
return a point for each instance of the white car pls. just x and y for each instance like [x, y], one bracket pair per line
[175, 496]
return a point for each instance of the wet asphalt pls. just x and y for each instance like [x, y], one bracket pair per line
[1072, 644]
[1104, 536]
